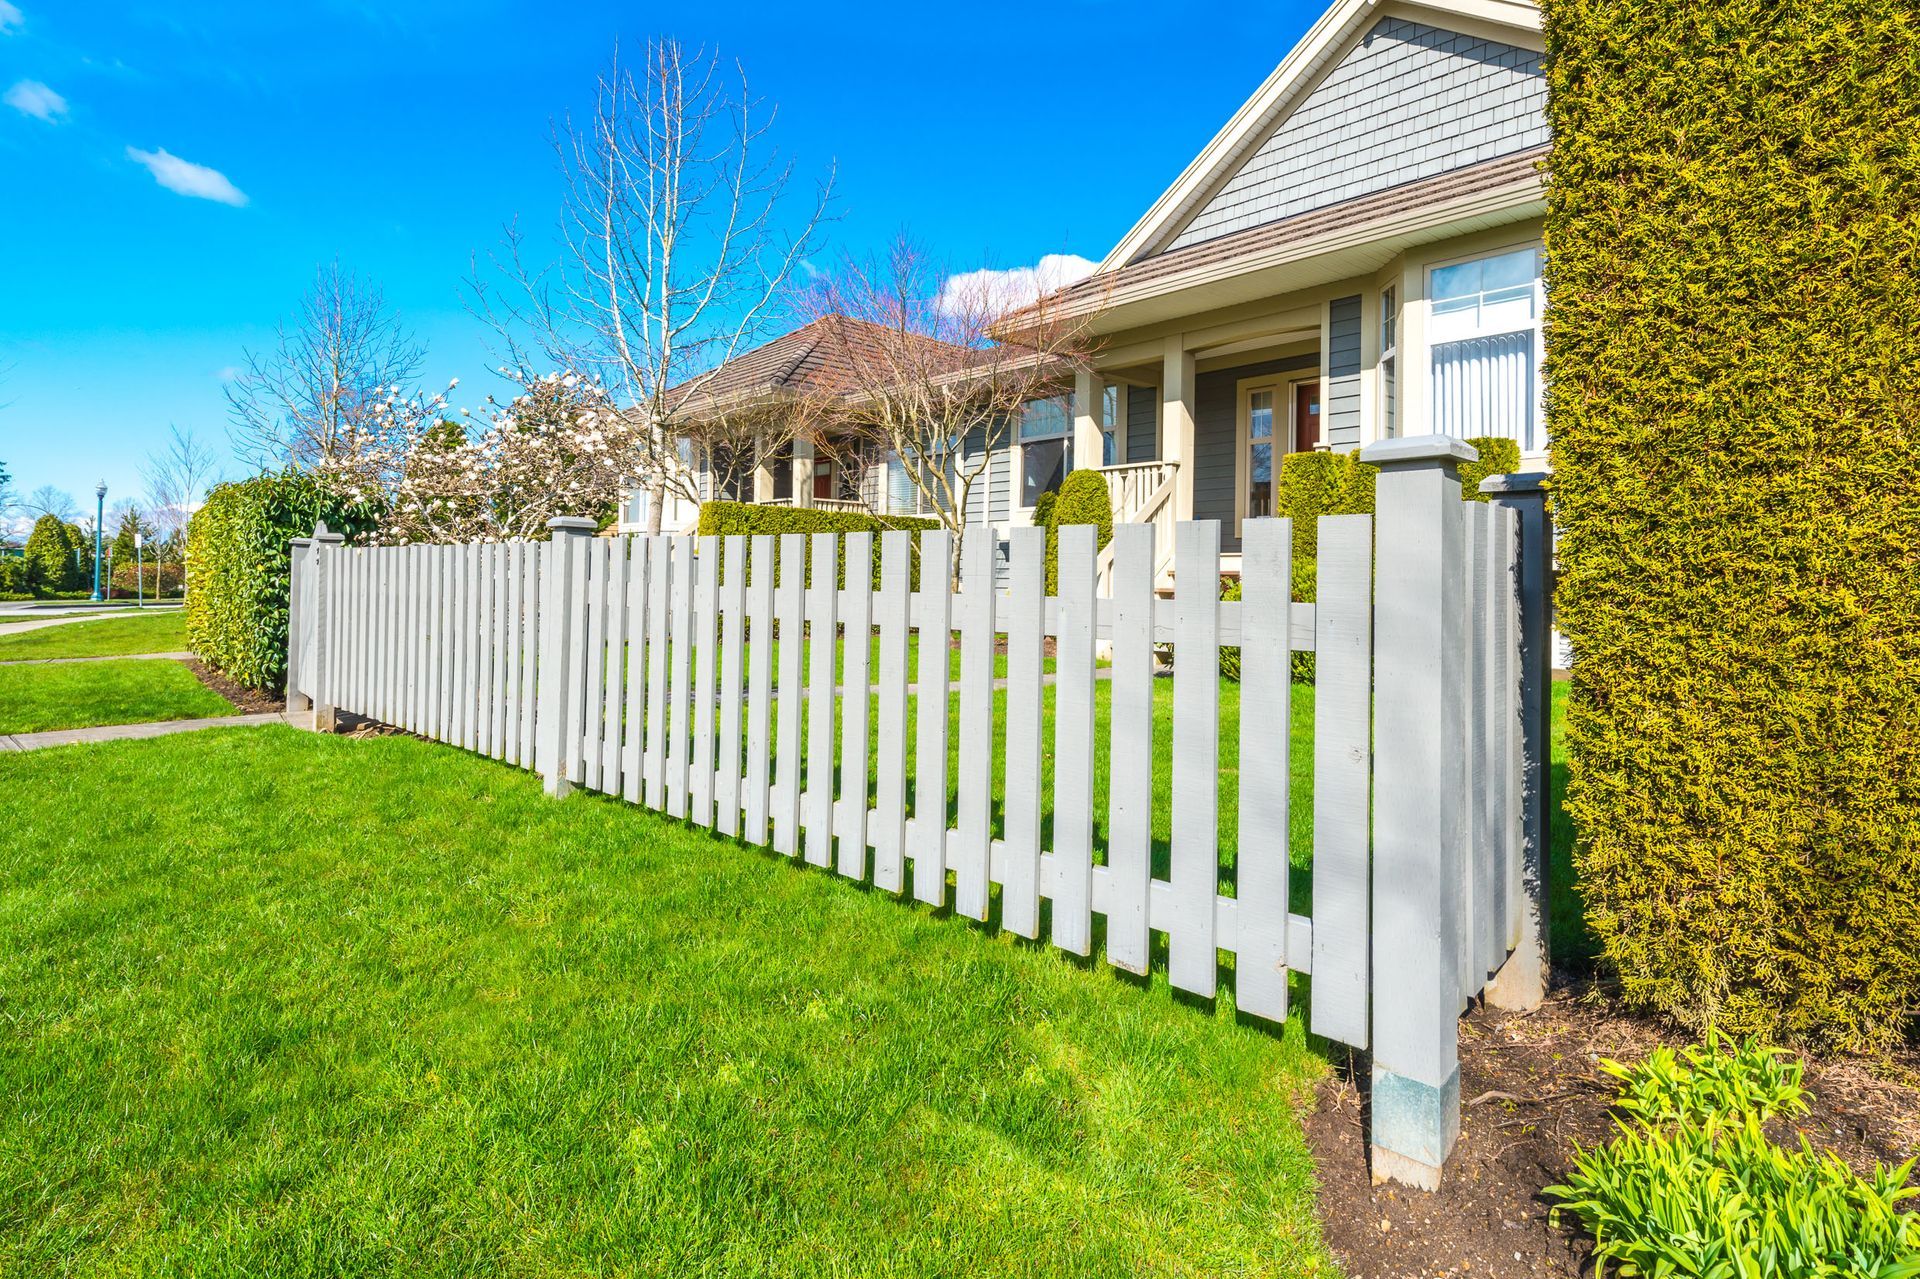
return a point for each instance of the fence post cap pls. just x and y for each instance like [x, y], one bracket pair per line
[1517, 484]
[571, 524]
[326, 536]
[1419, 450]
[302, 541]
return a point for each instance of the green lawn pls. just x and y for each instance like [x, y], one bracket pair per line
[324, 1006]
[36, 698]
[159, 631]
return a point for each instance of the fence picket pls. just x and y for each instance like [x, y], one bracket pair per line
[587, 729]
[679, 676]
[790, 603]
[1342, 752]
[1026, 624]
[927, 833]
[502, 627]
[1130, 756]
[1264, 858]
[660, 566]
[890, 781]
[706, 604]
[1073, 743]
[614, 693]
[855, 706]
[759, 686]
[733, 605]
[633, 745]
[530, 597]
[971, 854]
[822, 599]
[1192, 958]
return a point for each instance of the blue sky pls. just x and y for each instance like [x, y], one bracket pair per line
[400, 137]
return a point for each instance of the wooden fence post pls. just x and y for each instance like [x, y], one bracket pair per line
[326, 564]
[1420, 826]
[1521, 983]
[559, 689]
[299, 618]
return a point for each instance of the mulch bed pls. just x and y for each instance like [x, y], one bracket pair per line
[1531, 1088]
[247, 701]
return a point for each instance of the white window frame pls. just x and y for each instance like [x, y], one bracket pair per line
[1537, 328]
[1282, 385]
[1017, 461]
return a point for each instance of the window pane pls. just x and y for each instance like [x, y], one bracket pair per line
[1042, 468]
[1260, 482]
[1045, 419]
[1485, 386]
[1260, 415]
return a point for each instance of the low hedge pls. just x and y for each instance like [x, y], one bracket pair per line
[237, 545]
[747, 519]
[1081, 499]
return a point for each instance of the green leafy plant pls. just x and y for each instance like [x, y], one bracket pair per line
[1498, 456]
[50, 554]
[728, 519]
[1082, 499]
[1733, 389]
[1693, 1185]
[239, 561]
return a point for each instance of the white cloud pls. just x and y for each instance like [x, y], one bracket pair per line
[10, 17]
[1003, 291]
[186, 178]
[30, 97]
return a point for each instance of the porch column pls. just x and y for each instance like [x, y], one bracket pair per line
[803, 472]
[1176, 421]
[762, 474]
[1089, 397]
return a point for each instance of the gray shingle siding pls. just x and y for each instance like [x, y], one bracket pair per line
[1342, 407]
[1143, 430]
[1410, 101]
[1216, 431]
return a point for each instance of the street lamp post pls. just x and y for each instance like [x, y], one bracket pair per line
[99, 514]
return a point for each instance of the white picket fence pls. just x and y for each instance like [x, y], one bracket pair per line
[648, 668]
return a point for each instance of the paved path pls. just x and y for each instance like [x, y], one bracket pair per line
[10, 625]
[110, 657]
[127, 732]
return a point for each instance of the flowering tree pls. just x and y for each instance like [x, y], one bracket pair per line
[558, 447]
[680, 240]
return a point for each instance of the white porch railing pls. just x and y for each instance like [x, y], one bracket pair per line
[821, 504]
[1131, 485]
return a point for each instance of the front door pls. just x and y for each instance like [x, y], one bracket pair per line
[1306, 416]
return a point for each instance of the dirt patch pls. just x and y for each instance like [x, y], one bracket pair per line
[248, 701]
[1531, 1088]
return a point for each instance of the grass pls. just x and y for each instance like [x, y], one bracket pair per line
[367, 1007]
[155, 632]
[35, 699]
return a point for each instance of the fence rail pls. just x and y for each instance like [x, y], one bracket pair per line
[732, 682]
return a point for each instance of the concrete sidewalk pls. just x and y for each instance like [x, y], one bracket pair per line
[13, 624]
[109, 657]
[129, 732]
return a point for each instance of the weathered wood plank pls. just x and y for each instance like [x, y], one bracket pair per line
[733, 608]
[760, 643]
[1342, 754]
[890, 783]
[615, 665]
[1130, 757]
[1264, 861]
[634, 744]
[969, 853]
[791, 604]
[660, 589]
[1073, 744]
[855, 707]
[705, 654]
[927, 833]
[1192, 957]
[822, 626]
[680, 677]
[1026, 602]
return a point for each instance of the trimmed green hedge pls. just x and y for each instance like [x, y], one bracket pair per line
[1733, 247]
[730, 519]
[50, 555]
[1082, 499]
[238, 563]
[1498, 456]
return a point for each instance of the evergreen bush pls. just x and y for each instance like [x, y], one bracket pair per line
[728, 519]
[1733, 392]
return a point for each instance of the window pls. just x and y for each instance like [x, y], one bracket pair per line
[1389, 354]
[1260, 408]
[1486, 348]
[1110, 403]
[1045, 435]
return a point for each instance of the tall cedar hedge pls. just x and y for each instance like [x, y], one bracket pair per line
[1733, 238]
[238, 565]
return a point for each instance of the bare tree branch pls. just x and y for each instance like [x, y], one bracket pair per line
[179, 476]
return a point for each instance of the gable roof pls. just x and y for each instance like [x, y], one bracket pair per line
[820, 358]
[1339, 31]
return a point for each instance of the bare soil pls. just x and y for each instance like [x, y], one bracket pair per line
[1531, 1089]
[248, 701]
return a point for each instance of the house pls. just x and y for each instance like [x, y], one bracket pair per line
[1355, 255]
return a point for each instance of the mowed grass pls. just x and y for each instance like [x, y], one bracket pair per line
[159, 631]
[325, 1006]
[35, 698]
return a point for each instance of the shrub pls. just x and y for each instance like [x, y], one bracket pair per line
[1693, 1185]
[16, 576]
[1734, 398]
[729, 519]
[50, 553]
[1082, 499]
[238, 554]
[1498, 456]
